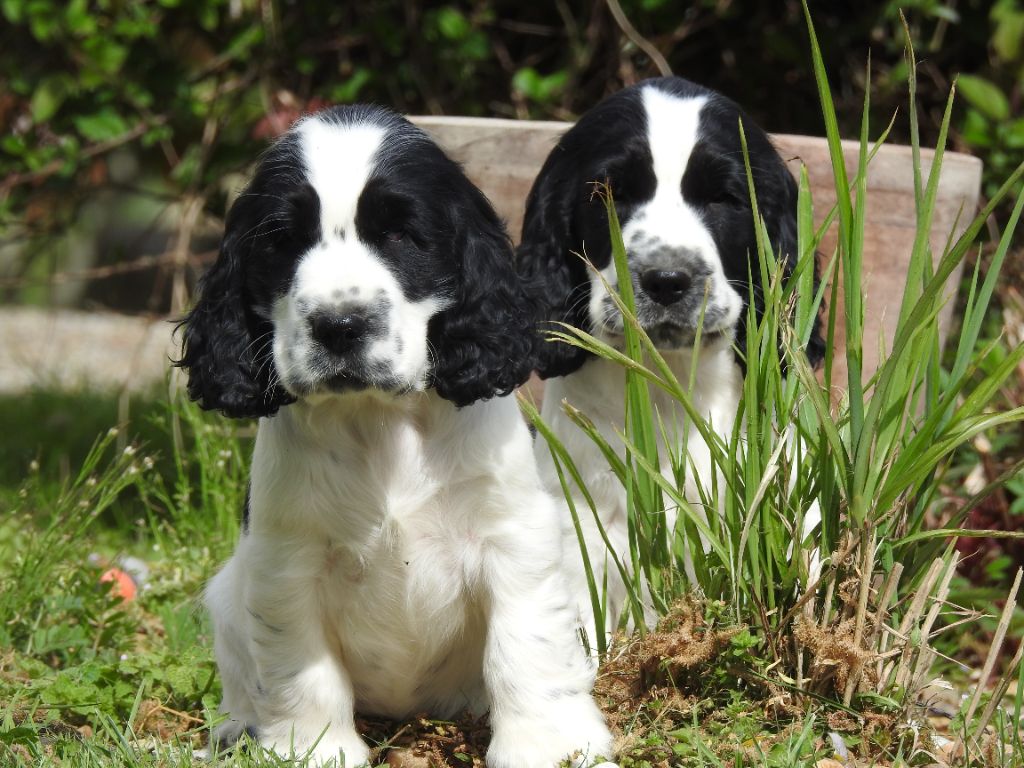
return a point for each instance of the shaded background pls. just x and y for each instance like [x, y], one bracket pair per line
[126, 125]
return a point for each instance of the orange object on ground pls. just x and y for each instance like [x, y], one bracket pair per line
[122, 585]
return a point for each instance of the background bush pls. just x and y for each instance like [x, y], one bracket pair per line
[171, 98]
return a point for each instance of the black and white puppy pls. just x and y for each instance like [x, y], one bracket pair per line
[671, 151]
[400, 554]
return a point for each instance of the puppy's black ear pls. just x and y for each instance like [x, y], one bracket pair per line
[225, 348]
[555, 279]
[483, 343]
[779, 211]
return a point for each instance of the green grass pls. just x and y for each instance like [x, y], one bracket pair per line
[71, 654]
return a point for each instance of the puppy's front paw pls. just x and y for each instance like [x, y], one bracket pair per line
[336, 748]
[226, 735]
[543, 740]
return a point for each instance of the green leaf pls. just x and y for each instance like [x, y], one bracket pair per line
[985, 96]
[13, 145]
[244, 42]
[105, 55]
[1013, 133]
[542, 88]
[877, 701]
[13, 10]
[48, 97]
[452, 23]
[101, 125]
[476, 47]
[43, 21]
[1008, 31]
[349, 90]
[208, 16]
[78, 19]
[976, 130]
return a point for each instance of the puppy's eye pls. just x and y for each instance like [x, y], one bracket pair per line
[726, 197]
[394, 235]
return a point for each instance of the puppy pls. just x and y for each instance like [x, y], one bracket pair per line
[671, 152]
[399, 553]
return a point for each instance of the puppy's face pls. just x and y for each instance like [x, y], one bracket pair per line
[665, 198]
[670, 151]
[358, 258]
[368, 265]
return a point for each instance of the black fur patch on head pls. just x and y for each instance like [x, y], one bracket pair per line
[610, 144]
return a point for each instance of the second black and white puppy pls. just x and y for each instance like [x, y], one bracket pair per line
[671, 152]
[399, 554]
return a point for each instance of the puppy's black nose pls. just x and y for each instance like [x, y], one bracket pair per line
[665, 286]
[339, 333]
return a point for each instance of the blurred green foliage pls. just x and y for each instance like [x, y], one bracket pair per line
[993, 125]
[194, 88]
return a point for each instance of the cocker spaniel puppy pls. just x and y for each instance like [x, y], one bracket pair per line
[399, 553]
[670, 150]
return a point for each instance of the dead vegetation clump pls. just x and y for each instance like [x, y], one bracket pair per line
[834, 652]
[155, 719]
[659, 681]
[667, 665]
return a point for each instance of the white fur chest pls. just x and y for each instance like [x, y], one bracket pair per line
[598, 389]
[369, 510]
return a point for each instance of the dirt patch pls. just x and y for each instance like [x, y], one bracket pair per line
[424, 743]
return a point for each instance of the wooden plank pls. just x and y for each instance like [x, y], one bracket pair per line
[890, 227]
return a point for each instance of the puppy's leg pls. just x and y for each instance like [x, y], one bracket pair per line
[223, 597]
[538, 677]
[303, 695]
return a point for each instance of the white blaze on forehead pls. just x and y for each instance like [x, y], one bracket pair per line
[672, 132]
[339, 160]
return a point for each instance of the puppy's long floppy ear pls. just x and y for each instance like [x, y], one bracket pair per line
[226, 349]
[555, 278]
[777, 199]
[483, 343]
[779, 210]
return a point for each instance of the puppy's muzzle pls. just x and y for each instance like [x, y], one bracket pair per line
[339, 333]
[665, 286]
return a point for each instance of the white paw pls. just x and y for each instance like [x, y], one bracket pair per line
[575, 730]
[227, 734]
[334, 749]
